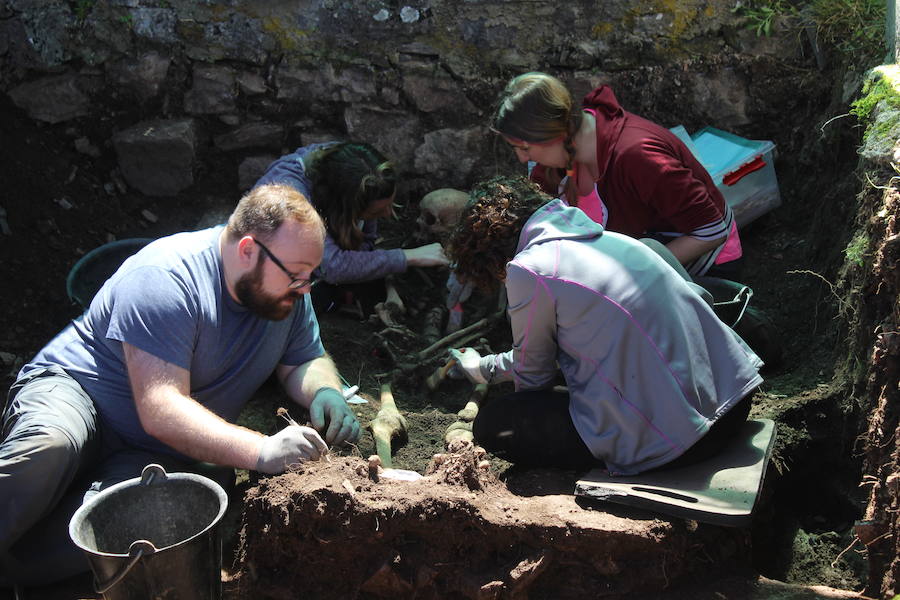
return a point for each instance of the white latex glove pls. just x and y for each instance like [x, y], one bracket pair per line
[468, 361]
[430, 255]
[457, 292]
[291, 445]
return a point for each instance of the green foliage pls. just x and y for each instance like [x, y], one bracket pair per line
[127, 20]
[878, 92]
[852, 26]
[873, 92]
[855, 251]
[82, 8]
[760, 15]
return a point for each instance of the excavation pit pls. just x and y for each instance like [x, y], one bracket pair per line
[329, 530]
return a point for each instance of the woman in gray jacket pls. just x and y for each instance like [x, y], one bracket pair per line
[652, 375]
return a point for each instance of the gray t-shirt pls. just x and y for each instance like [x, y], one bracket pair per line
[170, 301]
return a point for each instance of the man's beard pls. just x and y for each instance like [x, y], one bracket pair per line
[251, 295]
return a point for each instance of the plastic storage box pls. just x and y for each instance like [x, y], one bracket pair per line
[742, 169]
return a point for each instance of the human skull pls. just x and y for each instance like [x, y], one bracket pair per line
[439, 211]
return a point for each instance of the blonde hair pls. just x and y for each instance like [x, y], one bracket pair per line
[537, 107]
[263, 209]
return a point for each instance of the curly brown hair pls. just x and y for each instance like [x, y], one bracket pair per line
[487, 234]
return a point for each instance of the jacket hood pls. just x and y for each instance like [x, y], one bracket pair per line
[610, 118]
[557, 221]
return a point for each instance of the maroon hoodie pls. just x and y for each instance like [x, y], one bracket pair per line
[649, 180]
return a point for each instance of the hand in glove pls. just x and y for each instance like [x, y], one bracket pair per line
[457, 292]
[468, 362]
[329, 409]
[290, 446]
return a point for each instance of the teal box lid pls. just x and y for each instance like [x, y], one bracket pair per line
[722, 153]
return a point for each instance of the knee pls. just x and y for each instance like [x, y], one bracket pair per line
[487, 428]
[48, 451]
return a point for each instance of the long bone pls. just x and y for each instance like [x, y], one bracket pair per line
[387, 425]
[461, 430]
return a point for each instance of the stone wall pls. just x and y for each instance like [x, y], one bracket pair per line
[171, 85]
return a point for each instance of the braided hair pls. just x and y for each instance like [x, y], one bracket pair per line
[536, 107]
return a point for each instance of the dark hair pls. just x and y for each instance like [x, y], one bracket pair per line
[262, 210]
[346, 177]
[537, 107]
[487, 234]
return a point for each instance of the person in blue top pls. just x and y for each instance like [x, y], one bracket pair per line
[157, 369]
[352, 185]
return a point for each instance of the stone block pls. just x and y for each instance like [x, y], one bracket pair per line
[213, 91]
[252, 168]
[251, 135]
[143, 75]
[157, 157]
[448, 155]
[432, 93]
[52, 99]
[395, 133]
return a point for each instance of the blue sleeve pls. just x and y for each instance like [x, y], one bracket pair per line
[288, 170]
[304, 343]
[155, 311]
[341, 266]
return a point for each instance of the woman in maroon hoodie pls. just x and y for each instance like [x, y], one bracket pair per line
[627, 173]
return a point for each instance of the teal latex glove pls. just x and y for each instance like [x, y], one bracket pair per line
[330, 414]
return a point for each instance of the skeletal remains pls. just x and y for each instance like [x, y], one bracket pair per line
[439, 212]
[461, 429]
[387, 425]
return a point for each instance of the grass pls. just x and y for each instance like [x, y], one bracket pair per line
[852, 27]
[855, 251]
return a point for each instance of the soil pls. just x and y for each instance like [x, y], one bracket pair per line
[456, 533]
[61, 203]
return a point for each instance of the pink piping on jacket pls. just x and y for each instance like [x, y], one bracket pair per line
[540, 281]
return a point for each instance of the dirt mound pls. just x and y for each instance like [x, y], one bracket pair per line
[327, 530]
[464, 465]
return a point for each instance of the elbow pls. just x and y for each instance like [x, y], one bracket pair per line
[710, 245]
[151, 421]
[155, 429]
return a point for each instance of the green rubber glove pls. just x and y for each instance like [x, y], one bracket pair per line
[330, 414]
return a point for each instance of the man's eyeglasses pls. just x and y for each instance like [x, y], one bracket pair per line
[296, 282]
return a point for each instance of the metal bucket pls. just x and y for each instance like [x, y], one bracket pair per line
[155, 536]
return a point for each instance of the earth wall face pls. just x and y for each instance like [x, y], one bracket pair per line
[146, 103]
[418, 81]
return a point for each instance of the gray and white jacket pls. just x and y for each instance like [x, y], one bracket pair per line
[649, 366]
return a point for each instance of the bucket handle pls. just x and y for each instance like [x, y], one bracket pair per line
[151, 472]
[742, 297]
[137, 549]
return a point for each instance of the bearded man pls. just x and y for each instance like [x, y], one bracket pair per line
[157, 370]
